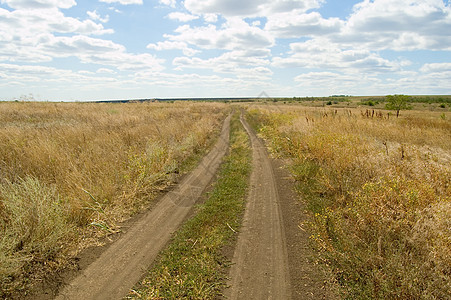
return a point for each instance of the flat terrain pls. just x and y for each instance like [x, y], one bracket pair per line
[273, 258]
[122, 265]
[376, 191]
[260, 269]
[358, 193]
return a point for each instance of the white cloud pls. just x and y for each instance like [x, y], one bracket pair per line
[182, 17]
[30, 36]
[295, 25]
[13, 69]
[247, 65]
[84, 72]
[436, 67]
[320, 53]
[105, 71]
[227, 8]
[196, 85]
[168, 45]
[45, 77]
[48, 81]
[250, 7]
[115, 9]
[96, 17]
[399, 25]
[170, 3]
[235, 34]
[244, 46]
[211, 18]
[124, 61]
[101, 52]
[39, 4]
[80, 45]
[339, 82]
[29, 23]
[123, 2]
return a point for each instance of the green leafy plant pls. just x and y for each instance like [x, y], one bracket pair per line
[398, 103]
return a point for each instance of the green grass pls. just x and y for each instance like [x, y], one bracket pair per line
[194, 266]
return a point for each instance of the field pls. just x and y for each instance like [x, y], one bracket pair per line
[378, 193]
[70, 172]
[373, 193]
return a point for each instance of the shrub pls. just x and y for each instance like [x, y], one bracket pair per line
[398, 102]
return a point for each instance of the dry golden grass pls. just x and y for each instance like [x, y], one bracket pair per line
[69, 172]
[379, 191]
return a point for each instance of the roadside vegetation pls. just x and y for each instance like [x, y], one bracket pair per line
[378, 190]
[70, 172]
[194, 265]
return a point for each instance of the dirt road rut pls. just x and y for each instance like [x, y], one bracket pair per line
[115, 272]
[259, 269]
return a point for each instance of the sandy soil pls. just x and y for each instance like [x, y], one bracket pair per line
[123, 264]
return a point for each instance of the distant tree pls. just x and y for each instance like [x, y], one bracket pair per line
[397, 102]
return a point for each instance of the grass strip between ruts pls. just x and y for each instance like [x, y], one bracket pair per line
[193, 265]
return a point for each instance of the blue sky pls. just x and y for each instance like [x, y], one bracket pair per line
[127, 49]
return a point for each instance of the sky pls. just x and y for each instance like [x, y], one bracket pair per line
[79, 50]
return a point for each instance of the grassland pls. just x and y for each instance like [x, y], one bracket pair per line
[378, 192]
[194, 266]
[70, 172]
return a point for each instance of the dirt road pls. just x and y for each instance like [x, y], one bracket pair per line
[260, 262]
[115, 272]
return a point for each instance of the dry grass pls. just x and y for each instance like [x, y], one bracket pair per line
[70, 172]
[193, 265]
[379, 192]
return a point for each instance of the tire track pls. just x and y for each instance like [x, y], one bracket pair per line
[260, 269]
[115, 272]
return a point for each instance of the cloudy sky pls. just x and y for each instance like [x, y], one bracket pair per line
[126, 49]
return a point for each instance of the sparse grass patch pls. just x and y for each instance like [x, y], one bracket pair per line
[192, 267]
[379, 194]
